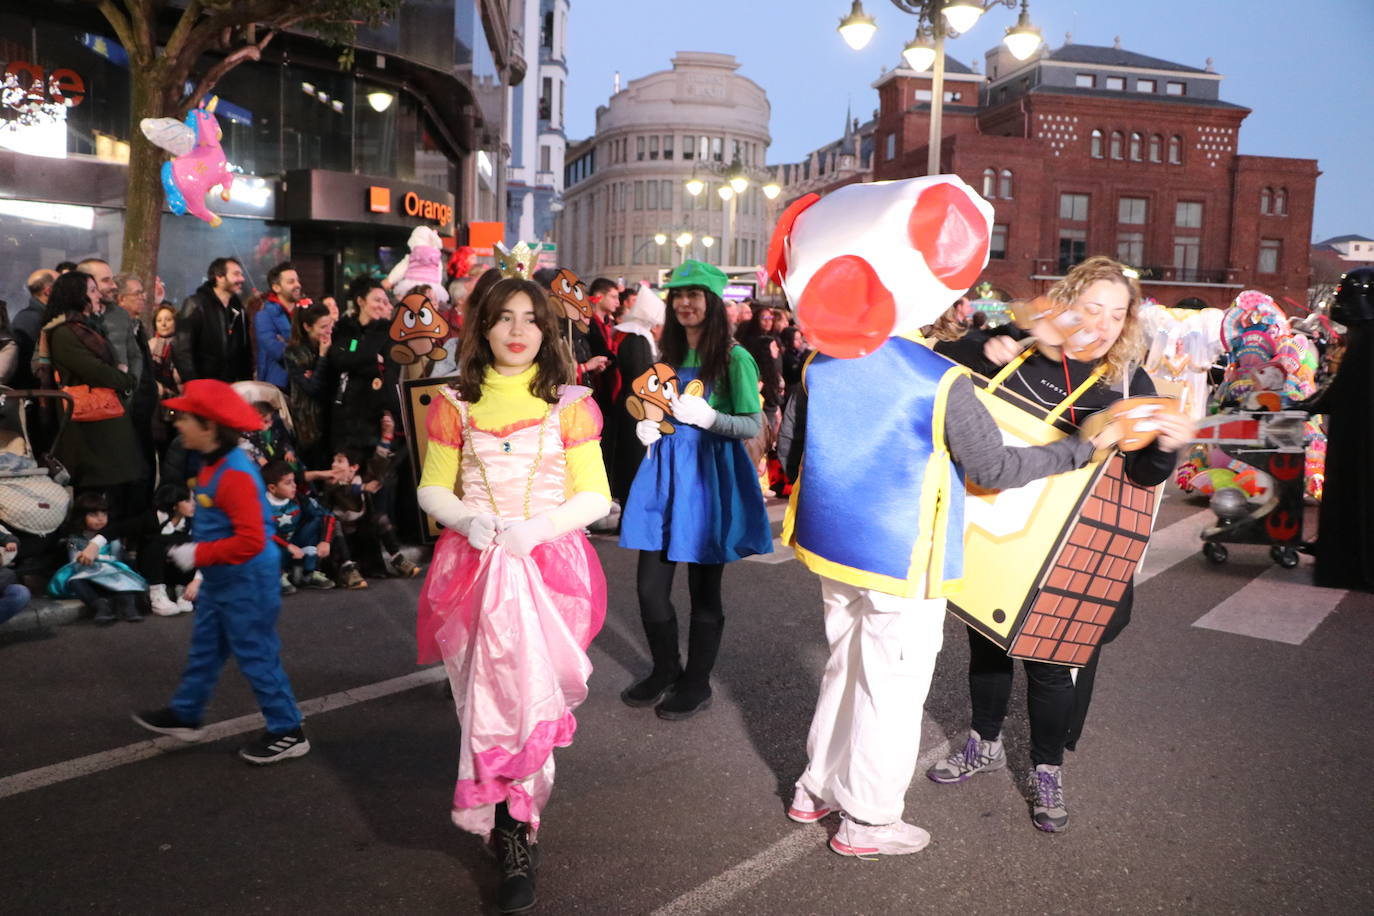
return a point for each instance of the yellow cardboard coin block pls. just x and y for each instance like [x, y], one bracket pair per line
[416, 396]
[1047, 564]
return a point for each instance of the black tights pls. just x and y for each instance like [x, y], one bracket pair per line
[655, 582]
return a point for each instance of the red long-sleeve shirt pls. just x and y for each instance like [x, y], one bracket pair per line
[237, 496]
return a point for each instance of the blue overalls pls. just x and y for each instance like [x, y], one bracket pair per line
[237, 612]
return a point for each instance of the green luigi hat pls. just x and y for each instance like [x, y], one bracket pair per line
[698, 273]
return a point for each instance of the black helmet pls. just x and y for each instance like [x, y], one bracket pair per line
[1354, 300]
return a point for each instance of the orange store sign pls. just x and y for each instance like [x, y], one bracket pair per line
[412, 204]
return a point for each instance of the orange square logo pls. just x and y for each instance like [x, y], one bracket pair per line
[379, 199]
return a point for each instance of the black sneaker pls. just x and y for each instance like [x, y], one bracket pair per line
[270, 748]
[104, 612]
[519, 860]
[166, 722]
[128, 609]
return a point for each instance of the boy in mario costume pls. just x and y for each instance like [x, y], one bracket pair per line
[886, 431]
[241, 593]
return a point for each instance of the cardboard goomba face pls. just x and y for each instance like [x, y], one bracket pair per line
[652, 393]
[417, 328]
[570, 294]
[1136, 417]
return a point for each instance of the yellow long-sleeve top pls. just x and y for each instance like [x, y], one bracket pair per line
[507, 404]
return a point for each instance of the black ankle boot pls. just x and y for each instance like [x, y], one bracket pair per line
[518, 858]
[104, 613]
[692, 692]
[667, 668]
[127, 608]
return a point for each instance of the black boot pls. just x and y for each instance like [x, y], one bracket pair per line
[692, 692]
[667, 668]
[127, 608]
[518, 858]
[104, 613]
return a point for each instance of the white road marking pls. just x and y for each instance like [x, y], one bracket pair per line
[142, 750]
[1279, 604]
[1173, 544]
[734, 881]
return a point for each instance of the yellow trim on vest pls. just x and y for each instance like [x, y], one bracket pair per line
[1063, 405]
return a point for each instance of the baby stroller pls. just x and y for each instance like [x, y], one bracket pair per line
[35, 492]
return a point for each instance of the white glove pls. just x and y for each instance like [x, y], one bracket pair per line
[693, 409]
[522, 537]
[183, 555]
[647, 432]
[481, 530]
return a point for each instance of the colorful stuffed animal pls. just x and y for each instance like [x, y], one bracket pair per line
[423, 266]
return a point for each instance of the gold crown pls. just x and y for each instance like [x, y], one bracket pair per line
[517, 262]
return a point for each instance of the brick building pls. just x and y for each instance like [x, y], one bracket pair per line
[1094, 150]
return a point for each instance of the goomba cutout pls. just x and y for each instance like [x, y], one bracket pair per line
[651, 395]
[570, 294]
[416, 328]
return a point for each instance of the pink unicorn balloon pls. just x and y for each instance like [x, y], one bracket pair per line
[198, 162]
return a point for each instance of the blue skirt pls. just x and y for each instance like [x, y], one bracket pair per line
[696, 496]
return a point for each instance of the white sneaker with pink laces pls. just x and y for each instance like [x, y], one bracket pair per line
[807, 808]
[864, 841]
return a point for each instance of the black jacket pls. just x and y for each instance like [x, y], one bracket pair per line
[212, 339]
[26, 326]
[367, 383]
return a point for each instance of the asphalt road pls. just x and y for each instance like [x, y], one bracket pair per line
[1220, 773]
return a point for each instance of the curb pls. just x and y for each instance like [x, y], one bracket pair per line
[43, 613]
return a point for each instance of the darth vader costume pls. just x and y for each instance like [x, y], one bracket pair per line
[1345, 528]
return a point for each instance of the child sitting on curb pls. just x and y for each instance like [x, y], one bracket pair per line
[96, 572]
[305, 532]
[13, 596]
[165, 526]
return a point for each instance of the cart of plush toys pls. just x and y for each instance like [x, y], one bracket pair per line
[1258, 455]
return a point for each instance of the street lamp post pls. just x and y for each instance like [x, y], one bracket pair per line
[935, 19]
[736, 178]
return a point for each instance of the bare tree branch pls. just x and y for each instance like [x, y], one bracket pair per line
[183, 29]
[120, 23]
[217, 72]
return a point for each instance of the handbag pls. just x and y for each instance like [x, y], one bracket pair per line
[92, 404]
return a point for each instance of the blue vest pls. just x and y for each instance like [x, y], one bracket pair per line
[879, 503]
[211, 523]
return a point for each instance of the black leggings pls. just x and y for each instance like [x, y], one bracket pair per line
[655, 582]
[1057, 705]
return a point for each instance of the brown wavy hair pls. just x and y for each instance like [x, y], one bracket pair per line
[474, 352]
[1129, 349]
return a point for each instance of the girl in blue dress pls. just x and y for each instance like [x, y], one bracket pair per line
[696, 497]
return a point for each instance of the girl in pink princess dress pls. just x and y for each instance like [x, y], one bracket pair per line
[516, 592]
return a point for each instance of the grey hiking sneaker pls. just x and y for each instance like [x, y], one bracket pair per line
[1047, 799]
[976, 756]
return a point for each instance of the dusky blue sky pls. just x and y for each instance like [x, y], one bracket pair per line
[1306, 69]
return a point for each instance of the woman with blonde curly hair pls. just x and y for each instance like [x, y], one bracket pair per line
[1083, 353]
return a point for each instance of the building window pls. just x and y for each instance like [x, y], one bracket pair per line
[639, 149]
[1073, 248]
[738, 154]
[1175, 150]
[546, 99]
[989, 181]
[1004, 185]
[1085, 81]
[1156, 148]
[718, 148]
[1117, 83]
[1137, 142]
[1131, 211]
[1096, 144]
[890, 147]
[1266, 201]
[997, 248]
[653, 147]
[651, 195]
[1188, 215]
[1130, 247]
[1145, 85]
[1116, 144]
[1073, 208]
[1174, 88]
[545, 157]
[667, 146]
[1269, 250]
[689, 146]
[665, 194]
[1281, 202]
[1186, 250]
[639, 195]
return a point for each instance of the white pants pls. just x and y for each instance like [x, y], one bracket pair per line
[866, 732]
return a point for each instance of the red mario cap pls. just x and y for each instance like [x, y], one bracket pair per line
[211, 399]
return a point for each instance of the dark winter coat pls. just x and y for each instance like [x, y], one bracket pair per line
[212, 338]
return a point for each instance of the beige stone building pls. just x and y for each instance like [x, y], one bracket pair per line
[626, 187]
